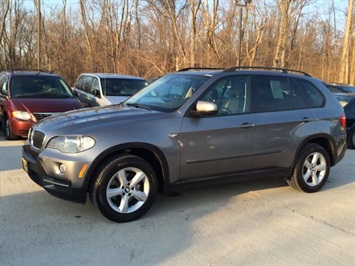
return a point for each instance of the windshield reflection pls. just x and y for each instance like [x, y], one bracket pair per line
[169, 92]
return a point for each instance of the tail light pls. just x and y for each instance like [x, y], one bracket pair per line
[342, 120]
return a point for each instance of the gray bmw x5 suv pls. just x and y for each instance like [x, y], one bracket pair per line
[190, 127]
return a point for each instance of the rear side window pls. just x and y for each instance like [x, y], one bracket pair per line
[277, 94]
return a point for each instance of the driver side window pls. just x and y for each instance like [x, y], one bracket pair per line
[231, 95]
[95, 89]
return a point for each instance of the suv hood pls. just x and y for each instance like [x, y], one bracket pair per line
[45, 105]
[85, 120]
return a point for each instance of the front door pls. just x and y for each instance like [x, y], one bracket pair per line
[222, 144]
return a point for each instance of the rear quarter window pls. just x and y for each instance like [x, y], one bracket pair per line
[311, 93]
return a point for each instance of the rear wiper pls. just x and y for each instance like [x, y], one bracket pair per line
[138, 106]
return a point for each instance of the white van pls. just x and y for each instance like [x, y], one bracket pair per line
[99, 89]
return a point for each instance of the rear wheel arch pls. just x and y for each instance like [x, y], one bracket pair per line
[322, 140]
[153, 155]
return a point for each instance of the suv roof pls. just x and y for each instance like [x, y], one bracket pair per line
[247, 69]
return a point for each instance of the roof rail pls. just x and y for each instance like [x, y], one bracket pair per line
[283, 70]
[26, 69]
[200, 68]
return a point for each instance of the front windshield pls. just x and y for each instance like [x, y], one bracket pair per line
[169, 92]
[121, 86]
[39, 87]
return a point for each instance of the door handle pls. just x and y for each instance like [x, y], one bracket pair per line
[306, 119]
[246, 125]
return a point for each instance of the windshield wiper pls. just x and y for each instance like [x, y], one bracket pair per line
[139, 106]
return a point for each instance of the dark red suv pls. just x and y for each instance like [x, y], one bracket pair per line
[27, 96]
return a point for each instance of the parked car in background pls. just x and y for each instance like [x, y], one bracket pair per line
[27, 96]
[347, 100]
[100, 89]
[190, 127]
[340, 88]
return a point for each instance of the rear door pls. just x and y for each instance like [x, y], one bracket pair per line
[282, 121]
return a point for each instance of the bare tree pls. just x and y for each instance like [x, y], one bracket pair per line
[194, 8]
[255, 32]
[5, 4]
[345, 57]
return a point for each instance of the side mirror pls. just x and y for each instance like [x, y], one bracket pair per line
[4, 89]
[96, 93]
[204, 108]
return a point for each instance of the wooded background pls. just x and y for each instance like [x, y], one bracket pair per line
[149, 38]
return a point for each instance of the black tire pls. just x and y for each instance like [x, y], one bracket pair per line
[311, 170]
[127, 201]
[351, 139]
[8, 131]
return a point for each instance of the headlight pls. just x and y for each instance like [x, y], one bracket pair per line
[71, 144]
[22, 115]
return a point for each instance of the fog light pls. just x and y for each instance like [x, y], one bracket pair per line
[62, 168]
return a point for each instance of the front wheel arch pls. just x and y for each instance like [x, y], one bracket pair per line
[151, 154]
[124, 187]
[8, 131]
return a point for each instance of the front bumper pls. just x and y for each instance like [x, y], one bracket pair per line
[44, 171]
[20, 127]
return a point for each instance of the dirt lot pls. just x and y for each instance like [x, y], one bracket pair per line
[249, 223]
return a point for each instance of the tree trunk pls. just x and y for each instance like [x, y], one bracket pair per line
[344, 63]
[279, 58]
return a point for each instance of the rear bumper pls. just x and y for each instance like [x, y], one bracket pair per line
[342, 146]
